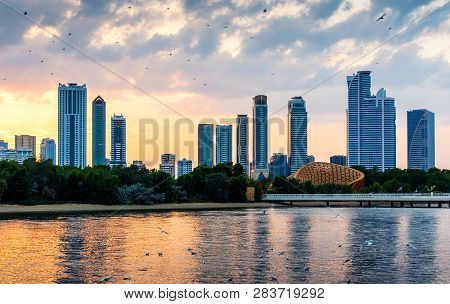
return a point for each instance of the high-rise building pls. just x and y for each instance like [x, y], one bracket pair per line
[16, 155]
[184, 166]
[3, 144]
[72, 125]
[26, 142]
[278, 165]
[371, 126]
[48, 150]
[358, 88]
[205, 145]
[260, 137]
[242, 142]
[98, 131]
[297, 133]
[310, 159]
[339, 160]
[168, 164]
[223, 144]
[118, 141]
[421, 140]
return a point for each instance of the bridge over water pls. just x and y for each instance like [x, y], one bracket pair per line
[368, 200]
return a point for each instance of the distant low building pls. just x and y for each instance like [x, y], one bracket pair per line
[278, 165]
[339, 160]
[16, 155]
[168, 164]
[184, 166]
[310, 159]
[25, 142]
[3, 144]
[138, 163]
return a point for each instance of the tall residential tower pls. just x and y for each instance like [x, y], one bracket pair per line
[72, 125]
[118, 141]
[260, 137]
[205, 145]
[242, 142]
[297, 134]
[223, 144]
[98, 131]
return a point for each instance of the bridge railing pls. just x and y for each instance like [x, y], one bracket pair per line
[352, 196]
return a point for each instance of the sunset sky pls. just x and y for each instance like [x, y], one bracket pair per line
[173, 61]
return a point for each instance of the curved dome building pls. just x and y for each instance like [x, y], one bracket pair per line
[326, 173]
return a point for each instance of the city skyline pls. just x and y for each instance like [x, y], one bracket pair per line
[412, 68]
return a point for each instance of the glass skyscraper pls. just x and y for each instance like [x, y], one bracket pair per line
[184, 166]
[297, 134]
[72, 125]
[98, 131]
[260, 132]
[421, 140]
[339, 160]
[118, 141]
[205, 145]
[371, 125]
[48, 150]
[242, 142]
[223, 144]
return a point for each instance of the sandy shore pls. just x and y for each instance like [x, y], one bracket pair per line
[61, 209]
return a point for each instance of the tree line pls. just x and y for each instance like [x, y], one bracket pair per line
[40, 181]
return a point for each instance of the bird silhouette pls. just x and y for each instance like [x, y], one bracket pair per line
[381, 17]
[265, 11]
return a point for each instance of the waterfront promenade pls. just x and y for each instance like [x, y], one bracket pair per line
[362, 200]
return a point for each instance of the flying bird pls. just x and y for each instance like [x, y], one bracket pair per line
[264, 11]
[70, 34]
[160, 253]
[381, 17]
[162, 231]
[25, 13]
[390, 28]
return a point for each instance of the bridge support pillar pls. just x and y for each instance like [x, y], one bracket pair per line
[369, 204]
[440, 205]
[402, 204]
[328, 204]
[411, 204]
[360, 204]
[429, 204]
[291, 203]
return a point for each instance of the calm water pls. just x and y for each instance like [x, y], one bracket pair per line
[314, 245]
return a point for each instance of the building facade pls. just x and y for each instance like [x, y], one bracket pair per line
[371, 125]
[223, 144]
[242, 142]
[184, 166]
[98, 131]
[16, 155]
[421, 139]
[260, 132]
[205, 145]
[297, 133]
[278, 166]
[168, 164]
[358, 86]
[137, 164]
[72, 125]
[118, 141]
[339, 160]
[26, 142]
[48, 150]
[310, 159]
[3, 144]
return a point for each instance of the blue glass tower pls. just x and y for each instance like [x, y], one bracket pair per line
[421, 140]
[72, 125]
[242, 142]
[260, 135]
[98, 131]
[278, 165]
[297, 134]
[223, 144]
[358, 88]
[205, 145]
[371, 125]
[48, 150]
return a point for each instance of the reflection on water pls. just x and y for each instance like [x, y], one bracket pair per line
[289, 245]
